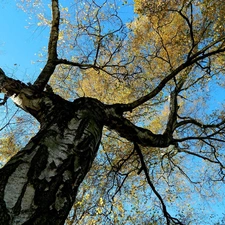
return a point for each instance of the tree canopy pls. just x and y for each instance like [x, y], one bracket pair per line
[158, 74]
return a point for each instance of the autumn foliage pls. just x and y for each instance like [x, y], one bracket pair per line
[165, 69]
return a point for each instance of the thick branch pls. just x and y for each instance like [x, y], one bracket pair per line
[210, 131]
[114, 120]
[9, 86]
[190, 120]
[77, 64]
[172, 119]
[206, 137]
[50, 66]
[200, 55]
[22, 95]
[190, 26]
[145, 169]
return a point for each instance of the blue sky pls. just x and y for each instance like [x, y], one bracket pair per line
[21, 41]
[19, 46]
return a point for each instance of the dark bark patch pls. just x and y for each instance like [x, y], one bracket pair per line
[4, 216]
[38, 163]
[45, 197]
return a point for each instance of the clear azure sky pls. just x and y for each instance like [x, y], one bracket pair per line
[20, 42]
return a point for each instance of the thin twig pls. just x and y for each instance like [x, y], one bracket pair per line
[145, 169]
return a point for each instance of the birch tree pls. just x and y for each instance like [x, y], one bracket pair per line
[131, 72]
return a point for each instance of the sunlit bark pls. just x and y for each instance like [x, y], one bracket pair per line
[40, 183]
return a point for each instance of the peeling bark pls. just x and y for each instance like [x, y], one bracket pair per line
[39, 184]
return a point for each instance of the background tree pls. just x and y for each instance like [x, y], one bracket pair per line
[143, 110]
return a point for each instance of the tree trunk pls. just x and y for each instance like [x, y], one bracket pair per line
[39, 184]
